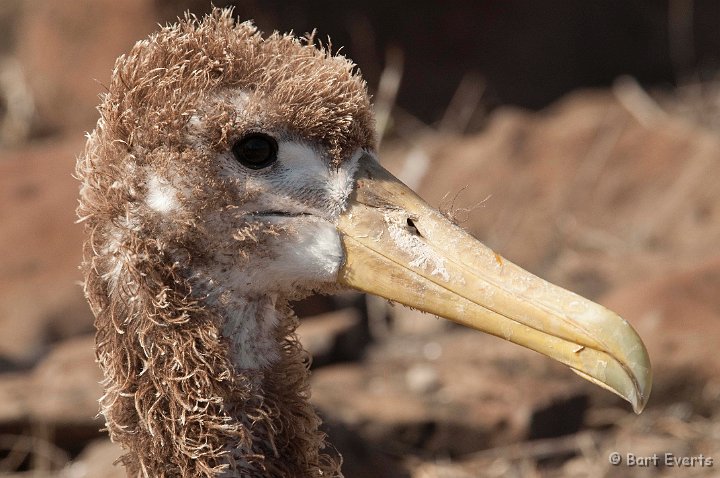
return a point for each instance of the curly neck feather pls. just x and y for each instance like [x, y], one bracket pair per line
[175, 399]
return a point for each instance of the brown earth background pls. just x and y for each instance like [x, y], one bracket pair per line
[578, 139]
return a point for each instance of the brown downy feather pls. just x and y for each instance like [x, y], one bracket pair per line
[172, 397]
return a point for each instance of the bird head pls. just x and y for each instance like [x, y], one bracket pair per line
[250, 164]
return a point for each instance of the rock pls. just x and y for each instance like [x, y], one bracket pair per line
[53, 406]
[361, 458]
[678, 316]
[68, 52]
[66, 386]
[334, 336]
[14, 395]
[17, 114]
[477, 392]
[421, 378]
[96, 460]
[40, 300]
[61, 393]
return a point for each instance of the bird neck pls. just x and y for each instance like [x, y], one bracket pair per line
[272, 367]
[199, 384]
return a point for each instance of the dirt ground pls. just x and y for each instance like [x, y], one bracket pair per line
[611, 193]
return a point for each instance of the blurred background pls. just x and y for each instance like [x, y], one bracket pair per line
[578, 139]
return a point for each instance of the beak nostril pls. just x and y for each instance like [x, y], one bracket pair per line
[413, 228]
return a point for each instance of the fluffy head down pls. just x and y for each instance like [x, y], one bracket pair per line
[290, 84]
[169, 218]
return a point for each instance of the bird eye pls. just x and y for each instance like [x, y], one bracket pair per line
[256, 151]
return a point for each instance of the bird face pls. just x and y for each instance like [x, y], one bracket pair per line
[257, 213]
[316, 224]
[263, 183]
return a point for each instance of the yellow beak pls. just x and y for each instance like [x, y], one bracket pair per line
[399, 248]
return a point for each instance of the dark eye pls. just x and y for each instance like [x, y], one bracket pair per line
[256, 151]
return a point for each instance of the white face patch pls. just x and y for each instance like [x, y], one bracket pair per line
[161, 195]
[301, 181]
[304, 196]
[311, 254]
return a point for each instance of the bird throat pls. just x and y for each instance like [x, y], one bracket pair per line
[270, 396]
[251, 328]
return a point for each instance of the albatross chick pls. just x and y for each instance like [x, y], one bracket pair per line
[230, 173]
